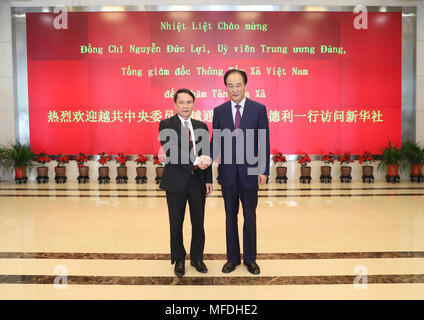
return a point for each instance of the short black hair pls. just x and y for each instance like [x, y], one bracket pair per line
[183, 90]
[241, 72]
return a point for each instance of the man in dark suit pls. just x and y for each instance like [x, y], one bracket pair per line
[187, 176]
[244, 164]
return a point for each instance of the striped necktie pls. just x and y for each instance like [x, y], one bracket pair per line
[238, 117]
[187, 129]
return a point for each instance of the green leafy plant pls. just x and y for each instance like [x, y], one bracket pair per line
[16, 155]
[391, 155]
[412, 153]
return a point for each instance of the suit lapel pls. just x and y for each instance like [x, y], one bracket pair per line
[228, 115]
[176, 124]
[246, 114]
[195, 126]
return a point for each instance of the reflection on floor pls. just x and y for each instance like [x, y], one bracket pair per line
[317, 241]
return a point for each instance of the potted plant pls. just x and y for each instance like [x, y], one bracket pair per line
[328, 162]
[17, 157]
[42, 159]
[60, 169]
[103, 170]
[367, 169]
[159, 168]
[42, 170]
[141, 168]
[346, 169]
[82, 169]
[326, 168]
[413, 157]
[279, 161]
[121, 159]
[390, 160]
[305, 170]
[81, 160]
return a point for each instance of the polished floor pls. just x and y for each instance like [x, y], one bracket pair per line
[315, 241]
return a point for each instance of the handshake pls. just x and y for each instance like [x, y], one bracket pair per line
[204, 161]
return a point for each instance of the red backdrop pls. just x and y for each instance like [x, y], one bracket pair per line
[346, 102]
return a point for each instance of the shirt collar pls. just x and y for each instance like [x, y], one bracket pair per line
[182, 120]
[241, 104]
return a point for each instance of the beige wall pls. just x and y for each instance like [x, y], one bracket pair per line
[7, 116]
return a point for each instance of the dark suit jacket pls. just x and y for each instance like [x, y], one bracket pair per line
[254, 117]
[175, 176]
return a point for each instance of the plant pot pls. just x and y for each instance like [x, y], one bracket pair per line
[20, 172]
[281, 171]
[305, 171]
[416, 169]
[367, 170]
[83, 171]
[103, 172]
[122, 171]
[392, 170]
[159, 171]
[60, 171]
[326, 171]
[346, 171]
[141, 171]
[42, 171]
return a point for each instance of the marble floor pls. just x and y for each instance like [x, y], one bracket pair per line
[315, 241]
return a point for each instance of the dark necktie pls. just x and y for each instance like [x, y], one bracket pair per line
[238, 117]
[187, 129]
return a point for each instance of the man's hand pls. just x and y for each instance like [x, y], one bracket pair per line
[262, 179]
[209, 188]
[204, 162]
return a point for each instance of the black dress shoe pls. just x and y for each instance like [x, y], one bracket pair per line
[252, 267]
[179, 269]
[229, 267]
[200, 266]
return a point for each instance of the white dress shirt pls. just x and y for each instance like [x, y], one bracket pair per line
[190, 126]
